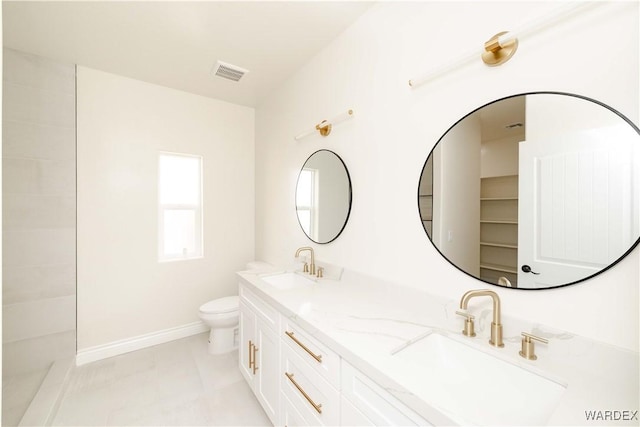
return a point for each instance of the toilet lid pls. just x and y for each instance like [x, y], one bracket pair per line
[221, 305]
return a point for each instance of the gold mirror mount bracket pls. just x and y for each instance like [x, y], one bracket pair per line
[324, 129]
[495, 53]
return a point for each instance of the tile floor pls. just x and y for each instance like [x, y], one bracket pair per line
[17, 393]
[177, 383]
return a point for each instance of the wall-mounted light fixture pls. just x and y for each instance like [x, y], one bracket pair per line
[325, 126]
[501, 47]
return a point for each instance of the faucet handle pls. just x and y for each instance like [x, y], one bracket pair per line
[305, 268]
[465, 314]
[528, 346]
[469, 327]
[320, 272]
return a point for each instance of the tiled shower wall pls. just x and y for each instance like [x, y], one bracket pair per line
[39, 211]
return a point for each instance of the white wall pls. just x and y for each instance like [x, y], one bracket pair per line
[123, 291]
[456, 223]
[565, 114]
[499, 157]
[39, 221]
[395, 127]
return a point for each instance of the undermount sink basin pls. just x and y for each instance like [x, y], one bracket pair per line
[286, 281]
[474, 386]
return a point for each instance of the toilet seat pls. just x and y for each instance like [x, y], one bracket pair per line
[221, 305]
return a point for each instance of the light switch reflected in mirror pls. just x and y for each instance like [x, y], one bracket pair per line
[323, 196]
[534, 191]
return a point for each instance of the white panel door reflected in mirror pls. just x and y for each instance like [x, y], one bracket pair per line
[323, 196]
[534, 191]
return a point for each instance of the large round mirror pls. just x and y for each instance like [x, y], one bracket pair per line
[323, 196]
[534, 191]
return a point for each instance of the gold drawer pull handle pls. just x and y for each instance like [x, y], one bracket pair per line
[318, 357]
[255, 368]
[317, 407]
[251, 362]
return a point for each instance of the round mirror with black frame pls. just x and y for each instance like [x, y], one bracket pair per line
[534, 191]
[323, 196]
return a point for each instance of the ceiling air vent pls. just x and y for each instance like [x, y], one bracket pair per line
[514, 125]
[228, 71]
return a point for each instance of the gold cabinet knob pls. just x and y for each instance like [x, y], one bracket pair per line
[528, 346]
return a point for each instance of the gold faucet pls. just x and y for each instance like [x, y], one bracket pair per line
[312, 265]
[496, 326]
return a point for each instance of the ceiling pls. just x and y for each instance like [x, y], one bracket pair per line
[176, 44]
[497, 116]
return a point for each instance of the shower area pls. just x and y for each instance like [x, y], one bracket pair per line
[39, 235]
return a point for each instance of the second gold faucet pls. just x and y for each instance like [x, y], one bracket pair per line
[312, 265]
[496, 326]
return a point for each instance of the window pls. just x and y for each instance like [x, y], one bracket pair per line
[179, 207]
[305, 200]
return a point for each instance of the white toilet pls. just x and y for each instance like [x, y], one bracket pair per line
[222, 316]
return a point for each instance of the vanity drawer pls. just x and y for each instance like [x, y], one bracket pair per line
[291, 416]
[260, 307]
[320, 358]
[311, 395]
[375, 403]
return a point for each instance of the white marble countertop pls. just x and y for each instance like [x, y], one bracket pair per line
[364, 320]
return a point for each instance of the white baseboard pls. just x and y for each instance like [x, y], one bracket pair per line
[115, 348]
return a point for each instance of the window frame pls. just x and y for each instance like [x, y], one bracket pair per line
[198, 210]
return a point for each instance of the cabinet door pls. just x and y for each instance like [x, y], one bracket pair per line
[352, 416]
[374, 403]
[247, 341]
[267, 356]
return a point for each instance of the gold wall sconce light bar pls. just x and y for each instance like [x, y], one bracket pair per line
[501, 47]
[325, 126]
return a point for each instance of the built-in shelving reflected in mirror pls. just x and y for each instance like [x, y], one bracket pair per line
[323, 196]
[534, 191]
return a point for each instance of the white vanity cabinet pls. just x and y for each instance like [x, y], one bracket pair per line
[259, 351]
[300, 381]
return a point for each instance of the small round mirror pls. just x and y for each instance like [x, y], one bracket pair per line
[323, 196]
